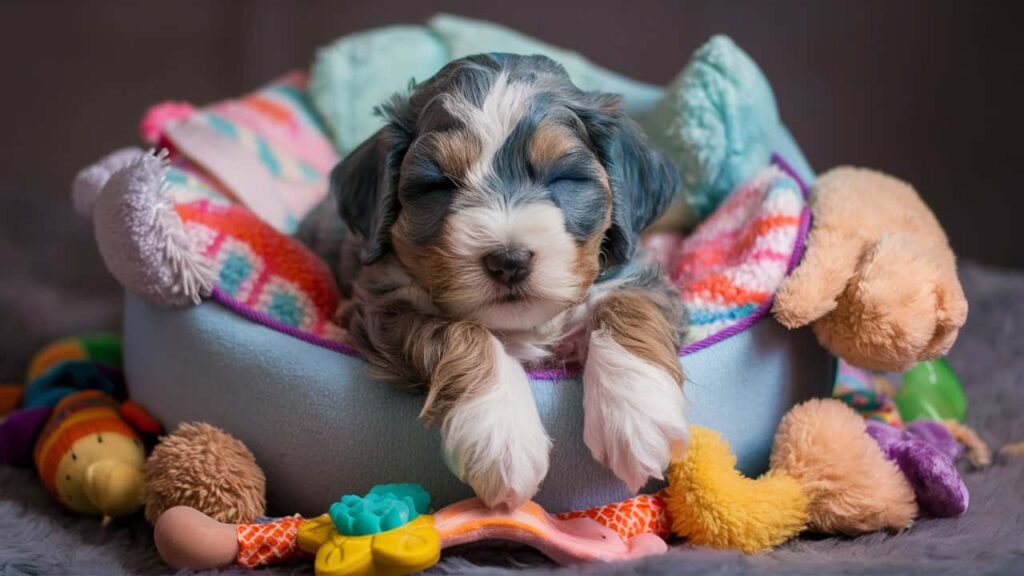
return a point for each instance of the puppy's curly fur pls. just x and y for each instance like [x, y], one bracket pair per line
[495, 215]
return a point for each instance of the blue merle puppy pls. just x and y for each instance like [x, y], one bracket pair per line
[493, 220]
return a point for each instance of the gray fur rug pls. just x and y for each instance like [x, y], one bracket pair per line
[37, 537]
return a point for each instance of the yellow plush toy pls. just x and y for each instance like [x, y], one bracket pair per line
[711, 504]
[827, 475]
[89, 458]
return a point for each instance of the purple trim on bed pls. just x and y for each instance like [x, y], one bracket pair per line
[569, 370]
[794, 260]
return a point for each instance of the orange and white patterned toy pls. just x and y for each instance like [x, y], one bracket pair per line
[268, 543]
[643, 514]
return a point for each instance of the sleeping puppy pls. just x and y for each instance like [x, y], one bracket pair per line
[496, 216]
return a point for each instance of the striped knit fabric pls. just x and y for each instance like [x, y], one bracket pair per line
[729, 268]
[100, 348]
[262, 269]
[75, 417]
[869, 394]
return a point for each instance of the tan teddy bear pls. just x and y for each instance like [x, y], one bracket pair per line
[878, 282]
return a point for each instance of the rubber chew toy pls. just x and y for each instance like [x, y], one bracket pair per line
[387, 533]
[566, 541]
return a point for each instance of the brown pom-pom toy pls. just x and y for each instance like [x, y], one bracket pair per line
[207, 469]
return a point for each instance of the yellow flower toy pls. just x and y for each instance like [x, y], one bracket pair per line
[386, 533]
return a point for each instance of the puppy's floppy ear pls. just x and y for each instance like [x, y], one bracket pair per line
[366, 185]
[643, 180]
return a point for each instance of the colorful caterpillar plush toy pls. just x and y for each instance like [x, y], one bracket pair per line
[89, 458]
[84, 442]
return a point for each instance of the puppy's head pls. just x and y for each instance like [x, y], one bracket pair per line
[503, 188]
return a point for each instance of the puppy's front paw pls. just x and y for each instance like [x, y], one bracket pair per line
[635, 413]
[495, 441]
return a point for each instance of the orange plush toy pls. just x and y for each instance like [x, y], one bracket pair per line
[878, 282]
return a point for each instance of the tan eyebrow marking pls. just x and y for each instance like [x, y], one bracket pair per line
[551, 142]
[456, 152]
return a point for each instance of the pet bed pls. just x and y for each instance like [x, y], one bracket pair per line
[261, 358]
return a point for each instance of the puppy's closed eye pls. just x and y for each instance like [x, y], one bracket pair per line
[576, 166]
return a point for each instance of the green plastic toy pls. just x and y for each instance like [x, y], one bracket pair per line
[931, 391]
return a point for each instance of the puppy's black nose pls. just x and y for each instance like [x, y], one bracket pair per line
[509, 265]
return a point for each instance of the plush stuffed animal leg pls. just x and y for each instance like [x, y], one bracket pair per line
[878, 282]
[712, 504]
[852, 487]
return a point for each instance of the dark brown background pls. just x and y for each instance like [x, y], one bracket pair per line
[928, 90]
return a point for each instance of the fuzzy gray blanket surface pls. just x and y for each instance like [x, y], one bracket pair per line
[38, 537]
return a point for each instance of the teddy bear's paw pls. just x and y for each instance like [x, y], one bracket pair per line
[903, 305]
[495, 441]
[634, 413]
[812, 290]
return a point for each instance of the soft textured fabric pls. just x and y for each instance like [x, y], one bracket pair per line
[711, 504]
[60, 369]
[197, 364]
[87, 362]
[728, 269]
[262, 270]
[466, 36]
[878, 282]
[138, 232]
[268, 152]
[852, 487]
[868, 394]
[926, 454]
[75, 417]
[201, 466]
[353, 75]
[322, 427]
[718, 121]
